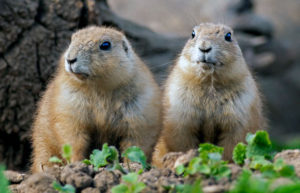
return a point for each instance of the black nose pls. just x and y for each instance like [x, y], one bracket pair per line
[72, 61]
[205, 50]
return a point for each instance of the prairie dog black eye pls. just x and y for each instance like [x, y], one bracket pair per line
[228, 37]
[105, 45]
[193, 34]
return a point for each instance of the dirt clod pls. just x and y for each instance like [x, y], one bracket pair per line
[14, 177]
[291, 157]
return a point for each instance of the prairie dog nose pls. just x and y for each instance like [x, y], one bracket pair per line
[205, 46]
[71, 61]
[205, 50]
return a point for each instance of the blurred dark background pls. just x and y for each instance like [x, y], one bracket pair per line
[34, 33]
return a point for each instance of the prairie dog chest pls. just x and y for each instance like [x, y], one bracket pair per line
[196, 105]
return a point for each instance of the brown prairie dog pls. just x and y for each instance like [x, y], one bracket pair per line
[101, 92]
[210, 95]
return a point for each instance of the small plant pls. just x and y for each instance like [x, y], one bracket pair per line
[239, 153]
[63, 189]
[135, 154]
[209, 162]
[108, 156]
[259, 153]
[185, 188]
[3, 181]
[249, 183]
[66, 154]
[130, 185]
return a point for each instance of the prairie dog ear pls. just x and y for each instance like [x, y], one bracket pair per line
[126, 45]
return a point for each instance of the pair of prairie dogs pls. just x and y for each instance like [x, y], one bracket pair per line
[103, 92]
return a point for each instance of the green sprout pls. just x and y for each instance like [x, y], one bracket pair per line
[108, 156]
[66, 154]
[130, 185]
[63, 189]
[209, 162]
[135, 154]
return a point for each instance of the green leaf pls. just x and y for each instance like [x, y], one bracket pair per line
[121, 188]
[130, 178]
[3, 181]
[204, 169]
[278, 164]
[135, 154]
[222, 172]
[67, 152]
[180, 169]
[239, 153]
[55, 159]
[248, 184]
[63, 189]
[287, 171]
[195, 188]
[259, 162]
[139, 187]
[193, 166]
[207, 148]
[87, 162]
[215, 156]
[290, 188]
[249, 138]
[259, 145]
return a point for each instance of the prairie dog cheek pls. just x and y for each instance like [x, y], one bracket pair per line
[67, 65]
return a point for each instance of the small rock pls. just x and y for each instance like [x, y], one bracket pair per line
[90, 190]
[279, 182]
[134, 167]
[14, 188]
[107, 179]
[186, 158]
[235, 170]
[40, 182]
[54, 171]
[214, 189]
[291, 157]
[170, 158]
[77, 174]
[14, 177]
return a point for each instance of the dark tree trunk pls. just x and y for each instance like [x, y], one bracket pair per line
[33, 34]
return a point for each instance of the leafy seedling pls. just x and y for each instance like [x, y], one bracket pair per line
[130, 185]
[108, 156]
[63, 189]
[135, 154]
[259, 144]
[246, 183]
[185, 188]
[209, 162]
[239, 153]
[66, 154]
[3, 181]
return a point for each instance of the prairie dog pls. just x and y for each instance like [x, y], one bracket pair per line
[101, 92]
[210, 95]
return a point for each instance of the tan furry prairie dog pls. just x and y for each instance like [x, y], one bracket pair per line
[210, 95]
[102, 92]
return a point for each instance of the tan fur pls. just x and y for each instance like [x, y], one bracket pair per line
[202, 102]
[111, 97]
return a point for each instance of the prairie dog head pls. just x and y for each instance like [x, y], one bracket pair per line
[99, 52]
[211, 48]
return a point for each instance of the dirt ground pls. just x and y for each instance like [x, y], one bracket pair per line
[86, 180]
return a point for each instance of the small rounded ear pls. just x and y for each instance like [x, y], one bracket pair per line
[125, 45]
